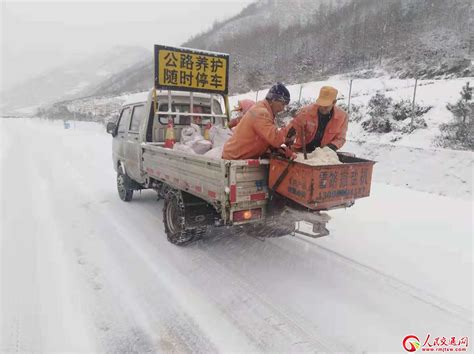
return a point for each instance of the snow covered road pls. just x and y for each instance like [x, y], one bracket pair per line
[82, 271]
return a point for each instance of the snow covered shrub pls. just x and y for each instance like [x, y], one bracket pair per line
[378, 125]
[403, 109]
[402, 114]
[409, 127]
[459, 133]
[387, 115]
[457, 136]
[379, 109]
[463, 108]
[379, 105]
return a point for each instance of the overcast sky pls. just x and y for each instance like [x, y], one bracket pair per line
[36, 36]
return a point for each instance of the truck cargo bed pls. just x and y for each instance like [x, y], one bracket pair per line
[229, 185]
[196, 174]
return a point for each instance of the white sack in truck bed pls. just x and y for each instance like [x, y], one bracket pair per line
[192, 141]
[324, 156]
[218, 135]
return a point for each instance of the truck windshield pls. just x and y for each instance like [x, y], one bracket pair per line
[186, 120]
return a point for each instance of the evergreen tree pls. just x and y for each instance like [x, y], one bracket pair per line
[463, 108]
[460, 132]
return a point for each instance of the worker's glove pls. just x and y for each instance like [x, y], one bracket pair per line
[290, 136]
[287, 152]
[332, 147]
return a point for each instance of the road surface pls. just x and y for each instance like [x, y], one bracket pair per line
[83, 271]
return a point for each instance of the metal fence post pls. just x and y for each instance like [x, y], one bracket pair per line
[349, 99]
[413, 103]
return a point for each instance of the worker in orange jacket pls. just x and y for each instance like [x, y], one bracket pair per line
[324, 124]
[257, 130]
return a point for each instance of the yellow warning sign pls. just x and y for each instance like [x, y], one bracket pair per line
[191, 70]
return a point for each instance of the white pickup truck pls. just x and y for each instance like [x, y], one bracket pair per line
[200, 191]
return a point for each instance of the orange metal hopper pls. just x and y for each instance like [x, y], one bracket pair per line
[322, 187]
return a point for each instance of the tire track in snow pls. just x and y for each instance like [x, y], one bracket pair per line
[37, 302]
[295, 330]
[203, 303]
[461, 313]
[134, 332]
[145, 208]
[282, 327]
[340, 290]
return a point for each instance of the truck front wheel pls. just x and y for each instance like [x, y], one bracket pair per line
[123, 187]
[174, 219]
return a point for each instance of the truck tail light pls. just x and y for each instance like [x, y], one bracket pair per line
[246, 215]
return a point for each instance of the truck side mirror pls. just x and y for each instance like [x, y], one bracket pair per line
[112, 128]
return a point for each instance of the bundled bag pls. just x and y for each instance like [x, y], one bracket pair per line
[192, 141]
[215, 153]
[219, 135]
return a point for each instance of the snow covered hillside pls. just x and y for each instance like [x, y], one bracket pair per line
[430, 93]
[264, 13]
[80, 270]
[295, 41]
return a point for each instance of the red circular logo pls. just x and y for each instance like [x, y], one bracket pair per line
[411, 343]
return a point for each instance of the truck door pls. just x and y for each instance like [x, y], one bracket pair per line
[132, 147]
[118, 142]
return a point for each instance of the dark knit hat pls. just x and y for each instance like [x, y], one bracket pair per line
[279, 92]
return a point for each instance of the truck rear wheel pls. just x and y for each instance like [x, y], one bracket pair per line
[123, 187]
[174, 220]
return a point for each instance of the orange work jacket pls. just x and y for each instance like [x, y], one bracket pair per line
[255, 133]
[335, 132]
